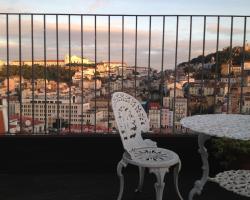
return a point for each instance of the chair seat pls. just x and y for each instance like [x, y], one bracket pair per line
[151, 157]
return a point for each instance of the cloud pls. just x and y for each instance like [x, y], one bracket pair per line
[102, 41]
[97, 4]
[224, 30]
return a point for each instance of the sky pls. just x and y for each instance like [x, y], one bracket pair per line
[227, 7]
[134, 7]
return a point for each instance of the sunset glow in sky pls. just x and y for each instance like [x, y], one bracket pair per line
[140, 7]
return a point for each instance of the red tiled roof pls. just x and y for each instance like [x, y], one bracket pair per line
[154, 105]
[25, 118]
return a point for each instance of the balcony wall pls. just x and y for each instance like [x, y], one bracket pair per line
[84, 153]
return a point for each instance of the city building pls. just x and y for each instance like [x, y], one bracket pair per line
[3, 116]
[28, 125]
[88, 73]
[246, 105]
[64, 111]
[111, 68]
[180, 109]
[77, 60]
[159, 118]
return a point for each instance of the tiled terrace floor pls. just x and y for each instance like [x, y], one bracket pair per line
[67, 168]
[98, 186]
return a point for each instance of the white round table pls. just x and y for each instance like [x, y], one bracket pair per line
[234, 126]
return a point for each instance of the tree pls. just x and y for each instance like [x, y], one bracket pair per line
[54, 73]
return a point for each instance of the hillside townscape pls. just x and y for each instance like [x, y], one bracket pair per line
[73, 95]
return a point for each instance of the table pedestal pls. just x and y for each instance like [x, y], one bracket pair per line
[199, 184]
[233, 126]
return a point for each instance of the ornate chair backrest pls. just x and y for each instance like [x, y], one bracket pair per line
[131, 120]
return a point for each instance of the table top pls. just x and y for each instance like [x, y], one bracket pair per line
[233, 126]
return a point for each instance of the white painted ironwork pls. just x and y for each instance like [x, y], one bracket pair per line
[131, 121]
[234, 126]
[237, 181]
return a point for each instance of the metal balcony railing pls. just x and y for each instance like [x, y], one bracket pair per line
[58, 71]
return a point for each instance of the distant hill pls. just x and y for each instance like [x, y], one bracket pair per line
[223, 57]
[213, 62]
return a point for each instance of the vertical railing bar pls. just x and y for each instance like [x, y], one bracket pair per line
[162, 63]
[20, 72]
[69, 27]
[122, 50]
[243, 64]
[82, 74]
[230, 64]
[58, 120]
[95, 70]
[8, 83]
[203, 63]
[45, 72]
[175, 69]
[136, 35]
[109, 69]
[189, 60]
[217, 59]
[149, 54]
[33, 73]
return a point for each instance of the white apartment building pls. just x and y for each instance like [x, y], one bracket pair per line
[178, 93]
[246, 105]
[167, 102]
[65, 111]
[27, 125]
[77, 60]
[197, 89]
[91, 84]
[154, 118]
[180, 108]
[86, 73]
[160, 117]
[207, 91]
[115, 85]
[111, 68]
[88, 83]
[167, 118]
[233, 80]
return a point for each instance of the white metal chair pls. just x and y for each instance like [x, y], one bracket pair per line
[132, 120]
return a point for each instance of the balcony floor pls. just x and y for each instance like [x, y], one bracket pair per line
[98, 186]
[67, 168]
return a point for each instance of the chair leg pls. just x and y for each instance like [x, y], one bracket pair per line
[141, 179]
[120, 165]
[159, 185]
[177, 169]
